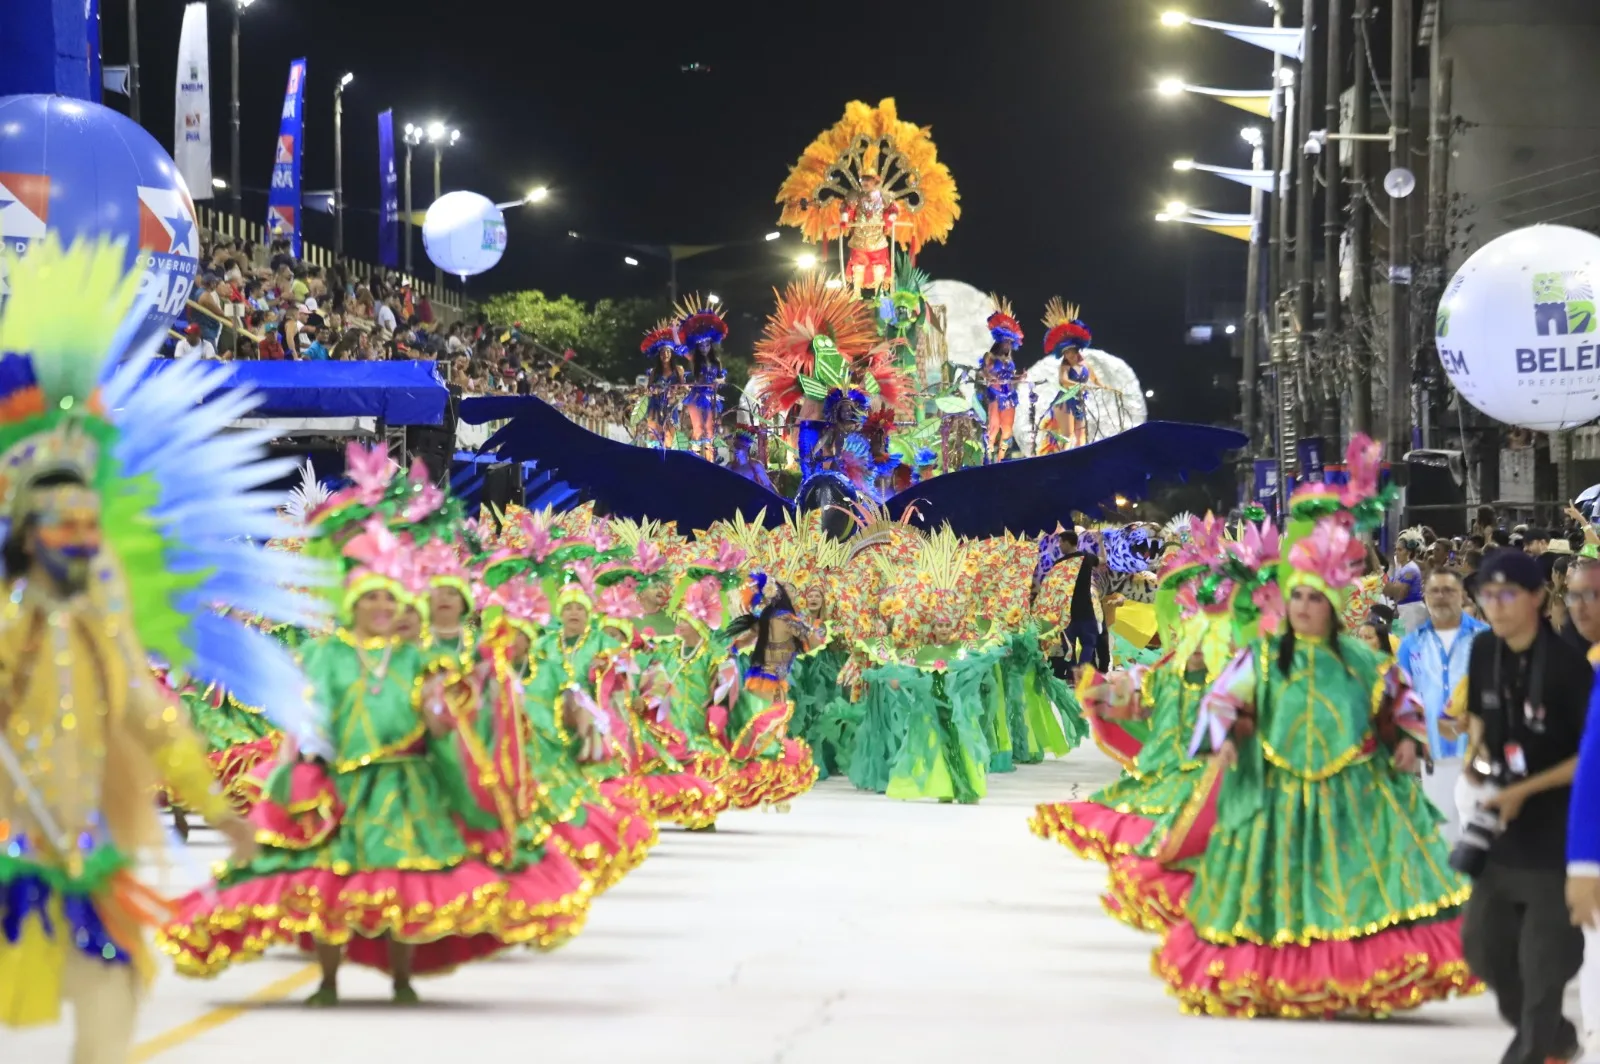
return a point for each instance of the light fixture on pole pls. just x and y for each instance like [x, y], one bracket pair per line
[413, 137]
[537, 195]
[806, 261]
[1258, 177]
[1256, 101]
[218, 183]
[629, 260]
[234, 181]
[1285, 41]
[338, 165]
[771, 237]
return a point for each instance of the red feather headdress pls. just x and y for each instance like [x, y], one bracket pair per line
[1066, 328]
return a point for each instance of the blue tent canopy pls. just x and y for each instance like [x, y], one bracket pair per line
[400, 393]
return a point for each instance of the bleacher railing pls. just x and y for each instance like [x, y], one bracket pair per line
[226, 225]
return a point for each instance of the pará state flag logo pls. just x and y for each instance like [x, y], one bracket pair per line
[280, 219]
[24, 206]
[285, 150]
[1563, 303]
[167, 223]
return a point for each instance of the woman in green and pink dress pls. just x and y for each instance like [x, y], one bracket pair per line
[1325, 888]
[363, 856]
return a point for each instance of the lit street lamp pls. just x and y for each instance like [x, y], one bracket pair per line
[338, 165]
[806, 261]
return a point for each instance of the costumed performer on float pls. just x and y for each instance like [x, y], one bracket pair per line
[1067, 424]
[1326, 888]
[663, 383]
[130, 514]
[702, 329]
[364, 853]
[998, 372]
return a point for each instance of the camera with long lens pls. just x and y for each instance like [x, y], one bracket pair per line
[1471, 852]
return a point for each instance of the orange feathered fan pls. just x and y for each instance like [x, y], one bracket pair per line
[808, 309]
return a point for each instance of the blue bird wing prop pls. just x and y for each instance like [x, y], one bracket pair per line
[1028, 496]
[632, 482]
[1025, 497]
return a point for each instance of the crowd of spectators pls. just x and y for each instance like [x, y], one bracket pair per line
[250, 304]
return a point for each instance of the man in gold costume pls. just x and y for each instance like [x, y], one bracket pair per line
[100, 562]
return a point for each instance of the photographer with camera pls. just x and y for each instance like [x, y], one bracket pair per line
[1527, 695]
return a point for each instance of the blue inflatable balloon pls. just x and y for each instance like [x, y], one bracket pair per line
[78, 169]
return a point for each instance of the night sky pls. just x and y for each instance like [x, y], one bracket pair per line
[1044, 110]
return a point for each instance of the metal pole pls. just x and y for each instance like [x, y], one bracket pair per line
[338, 172]
[1250, 351]
[1399, 375]
[133, 59]
[1360, 232]
[1280, 105]
[672, 277]
[438, 190]
[1304, 199]
[1284, 372]
[408, 208]
[1332, 212]
[1441, 76]
[234, 181]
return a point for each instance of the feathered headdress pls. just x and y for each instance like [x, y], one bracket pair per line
[1003, 323]
[819, 340]
[871, 139]
[664, 334]
[184, 504]
[1066, 329]
[700, 320]
[1217, 594]
[1358, 501]
[306, 497]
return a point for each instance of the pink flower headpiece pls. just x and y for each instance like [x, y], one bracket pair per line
[1330, 559]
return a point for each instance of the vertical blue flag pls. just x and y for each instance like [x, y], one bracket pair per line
[283, 197]
[388, 194]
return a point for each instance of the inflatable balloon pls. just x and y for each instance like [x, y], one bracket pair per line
[1517, 330]
[78, 169]
[464, 233]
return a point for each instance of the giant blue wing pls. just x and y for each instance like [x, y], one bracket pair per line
[632, 482]
[1030, 495]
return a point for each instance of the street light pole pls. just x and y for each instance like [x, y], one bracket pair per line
[1399, 374]
[235, 185]
[338, 166]
[1360, 231]
[408, 203]
[1305, 196]
[1333, 214]
[438, 190]
[1252, 297]
[133, 60]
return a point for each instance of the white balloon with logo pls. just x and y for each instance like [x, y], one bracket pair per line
[464, 233]
[1517, 328]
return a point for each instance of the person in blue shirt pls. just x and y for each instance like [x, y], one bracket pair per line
[314, 351]
[1404, 587]
[1435, 656]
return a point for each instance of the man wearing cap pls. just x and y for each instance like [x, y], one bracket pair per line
[1527, 696]
[193, 345]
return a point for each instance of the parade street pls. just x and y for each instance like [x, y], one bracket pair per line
[854, 929]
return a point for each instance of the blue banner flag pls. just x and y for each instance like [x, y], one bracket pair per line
[283, 197]
[388, 194]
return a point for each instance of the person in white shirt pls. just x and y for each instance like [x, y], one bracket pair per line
[386, 318]
[193, 345]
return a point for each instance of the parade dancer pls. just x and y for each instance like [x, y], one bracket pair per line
[750, 719]
[110, 490]
[664, 381]
[1067, 424]
[365, 854]
[998, 371]
[702, 330]
[870, 218]
[1325, 888]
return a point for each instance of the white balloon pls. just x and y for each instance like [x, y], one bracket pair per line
[1517, 328]
[464, 233]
